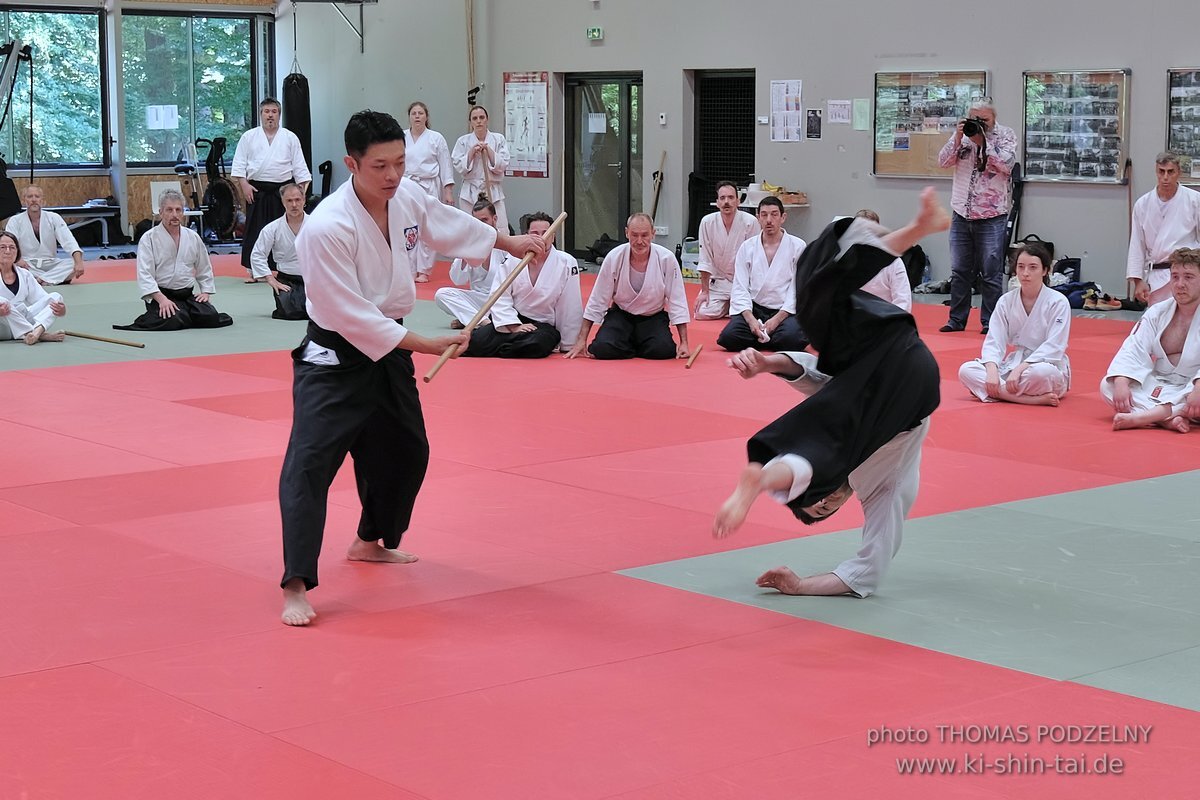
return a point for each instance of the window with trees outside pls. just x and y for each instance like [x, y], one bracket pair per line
[68, 107]
[186, 77]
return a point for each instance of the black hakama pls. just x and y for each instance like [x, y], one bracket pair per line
[190, 313]
[266, 208]
[290, 305]
[487, 342]
[625, 335]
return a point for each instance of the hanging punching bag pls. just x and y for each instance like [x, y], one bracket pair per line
[297, 117]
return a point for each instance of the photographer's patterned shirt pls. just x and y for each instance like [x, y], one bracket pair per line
[986, 194]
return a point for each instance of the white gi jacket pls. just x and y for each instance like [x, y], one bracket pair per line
[40, 250]
[718, 246]
[29, 305]
[356, 283]
[277, 161]
[478, 172]
[1037, 337]
[1159, 230]
[769, 285]
[427, 161]
[891, 284]
[278, 241]
[161, 264]
[555, 299]
[662, 288]
[1143, 360]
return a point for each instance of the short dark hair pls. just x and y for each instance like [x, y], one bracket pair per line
[269, 101]
[771, 200]
[722, 184]
[481, 108]
[1038, 251]
[369, 127]
[536, 216]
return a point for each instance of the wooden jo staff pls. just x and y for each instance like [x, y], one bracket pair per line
[452, 350]
[95, 338]
[692, 360]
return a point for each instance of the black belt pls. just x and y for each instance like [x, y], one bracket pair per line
[1161, 265]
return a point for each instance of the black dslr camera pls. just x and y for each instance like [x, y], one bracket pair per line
[973, 126]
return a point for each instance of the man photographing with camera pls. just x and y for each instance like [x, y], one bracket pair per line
[982, 154]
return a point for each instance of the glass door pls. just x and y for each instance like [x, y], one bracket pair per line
[604, 150]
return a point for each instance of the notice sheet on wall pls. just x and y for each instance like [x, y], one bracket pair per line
[525, 111]
[787, 111]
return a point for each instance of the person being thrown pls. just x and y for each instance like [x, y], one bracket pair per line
[870, 394]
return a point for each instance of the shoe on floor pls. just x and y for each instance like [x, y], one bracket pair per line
[950, 328]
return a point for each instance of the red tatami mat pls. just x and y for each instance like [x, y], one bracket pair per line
[142, 656]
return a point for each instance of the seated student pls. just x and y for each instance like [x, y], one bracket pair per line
[277, 241]
[463, 304]
[891, 283]
[762, 302]
[1024, 356]
[637, 295]
[1152, 379]
[721, 234]
[40, 234]
[540, 311]
[171, 260]
[26, 310]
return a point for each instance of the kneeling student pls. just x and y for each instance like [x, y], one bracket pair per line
[277, 241]
[464, 304]
[542, 309]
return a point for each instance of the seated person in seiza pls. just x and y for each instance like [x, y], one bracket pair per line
[540, 312]
[171, 261]
[1024, 358]
[26, 310]
[762, 302]
[41, 233]
[1152, 378]
[464, 304]
[277, 241]
[637, 295]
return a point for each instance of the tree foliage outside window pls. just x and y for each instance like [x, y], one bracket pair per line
[185, 77]
[68, 115]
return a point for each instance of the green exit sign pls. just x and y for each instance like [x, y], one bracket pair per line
[595, 34]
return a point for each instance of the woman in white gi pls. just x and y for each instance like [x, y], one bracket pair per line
[542, 310]
[26, 310]
[463, 304]
[427, 162]
[481, 158]
[1024, 357]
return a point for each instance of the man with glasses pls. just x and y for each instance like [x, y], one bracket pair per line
[982, 154]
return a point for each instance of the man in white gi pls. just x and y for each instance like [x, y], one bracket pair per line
[870, 394]
[542, 310]
[721, 234]
[762, 303]
[171, 261]
[354, 389]
[277, 242]
[464, 304]
[41, 233]
[427, 161]
[1152, 379]
[1164, 220]
[266, 158]
[638, 293]
[27, 311]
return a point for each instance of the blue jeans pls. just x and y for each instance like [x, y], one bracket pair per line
[976, 247]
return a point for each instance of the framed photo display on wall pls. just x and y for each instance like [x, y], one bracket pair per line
[915, 113]
[1076, 125]
[1183, 122]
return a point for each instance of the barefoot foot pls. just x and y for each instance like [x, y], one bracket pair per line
[34, 336]
[784, 581]
[932, 216]
[374, 551]
[297, 610]
[734, 510]
[421, 278]
[1124, 422]
[1177, 424]
[1047, 399]
[53, 336]
[781, 579]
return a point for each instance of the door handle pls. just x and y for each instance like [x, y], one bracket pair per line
[618, 165]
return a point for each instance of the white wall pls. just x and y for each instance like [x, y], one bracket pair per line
[418, 50]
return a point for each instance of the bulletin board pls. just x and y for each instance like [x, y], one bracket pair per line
[915, 113]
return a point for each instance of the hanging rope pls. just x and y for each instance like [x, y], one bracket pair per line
[31, 158]
[296, 40]
[471, 82]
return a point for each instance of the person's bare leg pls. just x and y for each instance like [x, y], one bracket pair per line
[296, 608]
[785, 581]
[1142, 418]
[931, 218]
[375, 551]
[753, 481]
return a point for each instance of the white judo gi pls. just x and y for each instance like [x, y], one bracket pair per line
[479, 174]
[1038, 337]
[1159, 229]
[28, 306]
[718, 247]
[891, 284]
[555, 299]
[161, 265]
[768, 284]
[463, 304]
[1156, 381]
[40, 249]
[661, 289]
[427, 163]
[886, 486]
[278, 242]
[278, 160]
